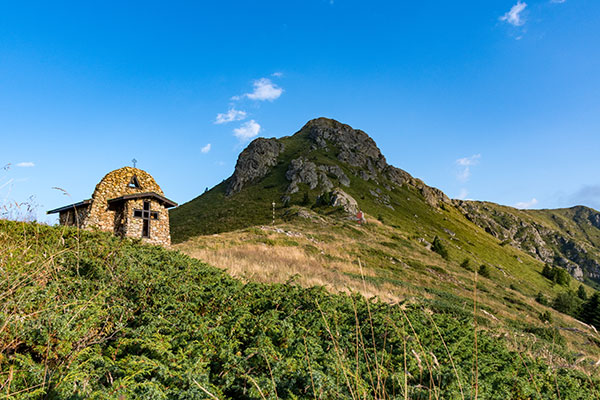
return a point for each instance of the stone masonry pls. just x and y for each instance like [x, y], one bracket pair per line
[127, 202]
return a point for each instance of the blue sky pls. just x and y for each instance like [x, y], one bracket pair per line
[488, 100]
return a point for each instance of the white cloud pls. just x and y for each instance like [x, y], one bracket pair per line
[25, 164]
[513, 16]
[526, 204]
[264, 89]
[230, 116]
[463, 194]
[465, 165]
[558, 1]
[277, 74]
[205, 149]
[247, 131]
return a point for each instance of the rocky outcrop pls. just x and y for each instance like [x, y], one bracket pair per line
[540, 241]
[301, 170]
[255, 162]
[352, 147]
[339, 198]
[594, 219]
[381, 198]
[336, 172]
[355, 148]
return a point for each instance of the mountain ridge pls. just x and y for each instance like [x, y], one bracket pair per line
[324, 156]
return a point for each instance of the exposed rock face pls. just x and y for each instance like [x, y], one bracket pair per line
[301, 171]
[355, 148]
[541, 242]
[339, 198]
[254, 162]
[595, 220]
[352, 147]
[336, 172]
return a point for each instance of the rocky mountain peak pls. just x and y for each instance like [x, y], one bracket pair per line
[254, 162]
[355, 147]
[356, 152]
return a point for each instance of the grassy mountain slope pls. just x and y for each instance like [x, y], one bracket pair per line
[569, 238]
[314, 243]
[216, 211]
[88, 315]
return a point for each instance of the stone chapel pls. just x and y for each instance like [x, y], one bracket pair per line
[127, 202]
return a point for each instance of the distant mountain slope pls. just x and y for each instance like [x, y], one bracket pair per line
[329, 163]
[567, 237]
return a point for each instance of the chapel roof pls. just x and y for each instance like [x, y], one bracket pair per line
[161, 199]
[83, 203]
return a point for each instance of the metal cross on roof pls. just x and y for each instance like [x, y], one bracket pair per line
[134, 161]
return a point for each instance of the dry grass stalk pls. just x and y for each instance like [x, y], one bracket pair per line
[212, 396]
[337, 350]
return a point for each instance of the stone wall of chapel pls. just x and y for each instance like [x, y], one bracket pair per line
[115, 184]
[159, 229]
[71, 217]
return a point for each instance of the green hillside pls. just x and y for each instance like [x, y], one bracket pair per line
[88, 315]
[568, 238]
[326, 155]
[216, 211]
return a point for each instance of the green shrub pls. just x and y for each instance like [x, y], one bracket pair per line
[546, 316]
[567, 302]
[94, 316]
[557, 275]
[549, 334]
[581, 293]
[547, 272]
[305, 199]
[484, 271]
[466, 264]
[541, 299]
[590, 311]
[323, 200]
[438, 247]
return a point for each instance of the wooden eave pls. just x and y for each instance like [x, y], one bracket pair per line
[153, 195]
[81, 204]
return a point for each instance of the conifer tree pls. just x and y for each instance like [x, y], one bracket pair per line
[590, 312]
[547, 272]
[567, 302]
[439, 248]
[582, 293]
[484, 271]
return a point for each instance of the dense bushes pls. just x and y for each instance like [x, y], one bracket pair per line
[579, 306]
[86, 315]
[557, 275]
